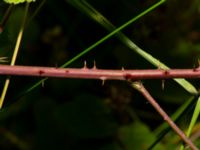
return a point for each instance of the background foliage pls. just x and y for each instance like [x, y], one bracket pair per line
[74, 113]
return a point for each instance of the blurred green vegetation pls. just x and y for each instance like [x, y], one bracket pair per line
[83, 114]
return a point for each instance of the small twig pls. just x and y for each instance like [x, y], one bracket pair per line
[94, 73]
[138, 86]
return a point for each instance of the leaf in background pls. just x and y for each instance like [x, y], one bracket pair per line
[17, 1]
[137, 136]
[86, 8]
[186, 48]
[86, 117]
[48, 135]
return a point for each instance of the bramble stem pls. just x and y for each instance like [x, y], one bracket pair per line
[138, 86]
[94, 73]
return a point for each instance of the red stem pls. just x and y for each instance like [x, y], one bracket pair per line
[102, 74]
[150, 99]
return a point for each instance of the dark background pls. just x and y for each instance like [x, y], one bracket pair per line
[83, 114]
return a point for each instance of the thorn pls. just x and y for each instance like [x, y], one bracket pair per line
[103, 80]
[94, 65]
[85, 65]
[163, 84]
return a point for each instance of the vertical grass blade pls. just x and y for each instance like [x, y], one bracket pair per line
[14, 57]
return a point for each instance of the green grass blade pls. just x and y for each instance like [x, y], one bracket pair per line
[99, 18]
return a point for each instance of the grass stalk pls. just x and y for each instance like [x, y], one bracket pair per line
[15, 53]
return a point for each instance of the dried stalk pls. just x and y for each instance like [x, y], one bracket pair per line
[138, 86]
[15, 53]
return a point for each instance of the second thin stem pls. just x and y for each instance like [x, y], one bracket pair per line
[138, 86]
